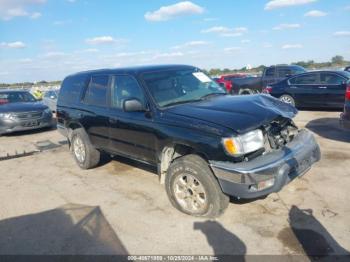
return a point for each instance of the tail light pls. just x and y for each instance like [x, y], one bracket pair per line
[229, 86]
[267, 90]
[347, 94]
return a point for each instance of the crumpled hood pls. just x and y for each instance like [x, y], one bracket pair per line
[22, 107]
[239, 113]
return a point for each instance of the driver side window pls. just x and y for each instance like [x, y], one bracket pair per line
[125, 87]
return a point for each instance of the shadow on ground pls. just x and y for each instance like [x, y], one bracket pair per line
[308, 236]
[67, 230]
[221, 240]
[329, 128]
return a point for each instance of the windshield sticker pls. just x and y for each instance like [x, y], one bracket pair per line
[202, 77]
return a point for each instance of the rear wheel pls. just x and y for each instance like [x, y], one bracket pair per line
[83, 152]
[193, 189]
[287, 99]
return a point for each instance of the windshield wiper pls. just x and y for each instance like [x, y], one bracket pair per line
[182, 102]
[212, 94]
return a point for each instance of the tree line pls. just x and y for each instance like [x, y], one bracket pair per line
[336, 61]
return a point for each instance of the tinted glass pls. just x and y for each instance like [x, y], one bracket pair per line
[331, 79]
[180, 86]
[71, 88]
[125, 87]
[283, 72]
[96, 94]
[16, 97]
[308, 79]
[297, 70]
[270, 71]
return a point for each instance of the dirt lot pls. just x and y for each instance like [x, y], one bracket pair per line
[50, 206]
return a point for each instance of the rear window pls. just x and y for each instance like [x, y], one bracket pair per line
[270, 72]
[71, 88]
[96, 93]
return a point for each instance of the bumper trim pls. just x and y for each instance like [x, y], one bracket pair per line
[294, 160]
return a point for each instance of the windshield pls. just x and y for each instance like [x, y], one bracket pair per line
[180, 86]
[297, 70]
[15, 97]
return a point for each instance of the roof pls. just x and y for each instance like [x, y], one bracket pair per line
[135, 70]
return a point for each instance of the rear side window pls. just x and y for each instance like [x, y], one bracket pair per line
[308, 79]
[270, 72]
[71, 89]
[331, 79]
[96, 93]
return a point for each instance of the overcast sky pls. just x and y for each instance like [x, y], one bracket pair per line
[48, 39]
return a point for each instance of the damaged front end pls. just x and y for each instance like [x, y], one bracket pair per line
[287, 153]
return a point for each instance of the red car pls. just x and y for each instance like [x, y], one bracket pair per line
[226, 80]
[345, 116]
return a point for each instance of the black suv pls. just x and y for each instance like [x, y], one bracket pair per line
[207, 145]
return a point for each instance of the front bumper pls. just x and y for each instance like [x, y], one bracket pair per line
[281, 166]
[14, 125]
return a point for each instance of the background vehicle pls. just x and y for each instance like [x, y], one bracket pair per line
[273, 74]
[19, 111]
[226, 80]
[206, 144]
[345, 116]
[312, 89]
[347, 68]
[50, 99]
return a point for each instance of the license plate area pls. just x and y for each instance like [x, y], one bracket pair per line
[30, 123]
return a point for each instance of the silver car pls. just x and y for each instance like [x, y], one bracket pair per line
[50, 99]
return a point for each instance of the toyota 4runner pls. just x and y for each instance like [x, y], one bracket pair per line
[206, 144]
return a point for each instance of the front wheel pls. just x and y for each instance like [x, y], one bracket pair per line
[192, 188]
[287, 99]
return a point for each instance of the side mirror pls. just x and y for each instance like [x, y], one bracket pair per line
[133, 105]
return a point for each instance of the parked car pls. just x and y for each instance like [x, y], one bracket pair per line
[314, 89]
[273, 74]
[347, 68]
[207, 145]
[345, 116]
[20, 111]
[226, 80]
[50, 99]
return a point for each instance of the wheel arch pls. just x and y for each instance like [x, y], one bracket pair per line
[173, 151]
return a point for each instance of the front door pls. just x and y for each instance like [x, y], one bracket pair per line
[131, 133]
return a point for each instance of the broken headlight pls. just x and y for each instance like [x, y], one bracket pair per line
[244, 144]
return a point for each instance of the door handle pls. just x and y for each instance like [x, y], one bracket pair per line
[113, 120]
[322, 87]
[293, 87]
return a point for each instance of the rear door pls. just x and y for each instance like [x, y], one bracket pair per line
[93, 112]
[335, 87]
[306, 91]
[131, 133]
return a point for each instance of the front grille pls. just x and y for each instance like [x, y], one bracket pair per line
[28, 115]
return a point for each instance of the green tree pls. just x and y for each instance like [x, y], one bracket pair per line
[338, 59]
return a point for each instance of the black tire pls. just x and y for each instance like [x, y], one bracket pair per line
[287, 99]
[92, 155]
[196, 167]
